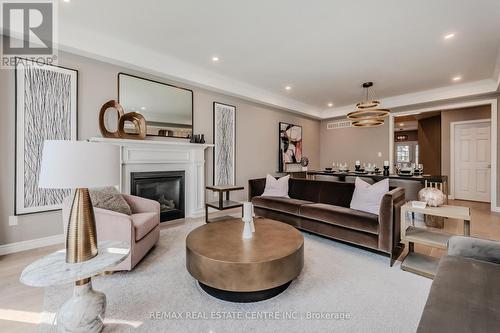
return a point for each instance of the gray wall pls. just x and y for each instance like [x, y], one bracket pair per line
[354, 143]
[256, 136]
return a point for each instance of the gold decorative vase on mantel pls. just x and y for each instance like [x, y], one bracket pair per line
[135, 118]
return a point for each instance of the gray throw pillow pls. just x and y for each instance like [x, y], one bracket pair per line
[110, 199]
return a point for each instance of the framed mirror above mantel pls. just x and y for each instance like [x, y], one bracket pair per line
[168, 109]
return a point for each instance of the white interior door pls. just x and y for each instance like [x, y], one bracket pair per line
[472, 161]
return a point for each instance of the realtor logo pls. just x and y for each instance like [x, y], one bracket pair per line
[28, 31]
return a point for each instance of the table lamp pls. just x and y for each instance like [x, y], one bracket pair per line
[79, 165]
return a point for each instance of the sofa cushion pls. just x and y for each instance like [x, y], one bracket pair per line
[367, 197]
[305, 189]
[336, 193]
[276, 187]
[464, 297]
[144, 223]
[341, 216]
[285, 205]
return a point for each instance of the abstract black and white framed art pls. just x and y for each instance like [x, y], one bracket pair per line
[290, 143]
[46, 109]
[224, 130]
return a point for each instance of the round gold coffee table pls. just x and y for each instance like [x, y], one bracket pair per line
[233, 269]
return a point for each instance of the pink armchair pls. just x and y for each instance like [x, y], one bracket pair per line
[141, 229]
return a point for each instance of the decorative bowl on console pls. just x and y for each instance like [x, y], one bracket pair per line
[433, 196]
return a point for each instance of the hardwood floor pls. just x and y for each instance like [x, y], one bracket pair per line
[21, 306]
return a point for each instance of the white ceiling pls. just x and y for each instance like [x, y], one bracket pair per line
[323, 49]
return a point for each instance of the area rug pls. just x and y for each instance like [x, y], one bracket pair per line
[341, 289]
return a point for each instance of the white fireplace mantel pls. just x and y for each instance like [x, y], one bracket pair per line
[162, 155]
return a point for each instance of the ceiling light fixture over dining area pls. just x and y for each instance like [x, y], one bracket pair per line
[368, 113]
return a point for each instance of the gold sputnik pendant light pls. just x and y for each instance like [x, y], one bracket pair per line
[368, 113]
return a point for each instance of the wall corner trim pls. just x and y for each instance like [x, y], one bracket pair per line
[31, 244]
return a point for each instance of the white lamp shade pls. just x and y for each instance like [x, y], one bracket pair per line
[79, 164]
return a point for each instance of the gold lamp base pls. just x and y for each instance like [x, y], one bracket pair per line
[81, 238]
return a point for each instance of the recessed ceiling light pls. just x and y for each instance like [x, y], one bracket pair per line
[449, 36]
[143, 108]
[401, 124]
[457, 78]
[215, 59]
[288, 88]
[330, 104]
[67, 0]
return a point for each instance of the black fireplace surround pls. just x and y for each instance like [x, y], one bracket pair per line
[166, 187]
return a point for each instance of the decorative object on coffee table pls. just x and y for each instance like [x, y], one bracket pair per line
[247, 230]
[290, 140]
[46, 108]
[433, 196]
[248, 214]
[244, 270]
[222, 204]
[224, 129]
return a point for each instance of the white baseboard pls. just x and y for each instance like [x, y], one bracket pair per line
[197, 213]
[31, 244]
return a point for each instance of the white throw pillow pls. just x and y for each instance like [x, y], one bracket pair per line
[367, 197]
[276, 187]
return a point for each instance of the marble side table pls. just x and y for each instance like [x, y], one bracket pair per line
[84, 311]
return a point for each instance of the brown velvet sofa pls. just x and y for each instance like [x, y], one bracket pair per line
[322, 207]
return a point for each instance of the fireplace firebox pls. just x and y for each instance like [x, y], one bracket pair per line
[166, 187]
